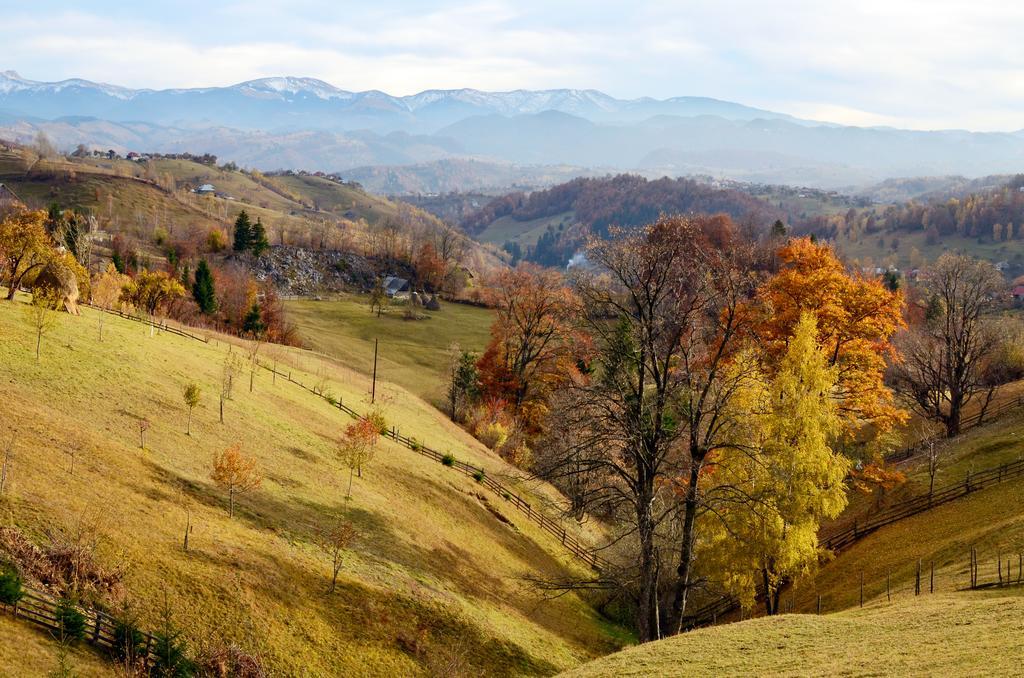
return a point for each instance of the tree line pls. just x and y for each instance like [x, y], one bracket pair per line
[714, 397]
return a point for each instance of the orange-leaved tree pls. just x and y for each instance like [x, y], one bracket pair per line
[25, 247]
[235, 473]
[857, 317]
[534, 344]
[357, 446]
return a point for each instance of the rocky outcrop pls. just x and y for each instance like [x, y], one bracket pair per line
[302, 272]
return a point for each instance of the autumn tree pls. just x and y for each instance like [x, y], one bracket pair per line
[106, 291]
[230, 369]
[356, 447]
[430, 267]
[944, 355]
[151, 291]
[334, 539]
[235, 473]
[191, 396]
[463, 378]
[780, 477]
[534, 345]
[378, 296]
[856, 320]
[25, 247]
[42, 312]
[666, 318]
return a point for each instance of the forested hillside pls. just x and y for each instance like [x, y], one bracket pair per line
[549, 226]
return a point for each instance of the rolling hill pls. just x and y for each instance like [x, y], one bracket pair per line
[435, 577]
[151, 201]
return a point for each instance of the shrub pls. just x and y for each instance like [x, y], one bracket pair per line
[70, 620]
[376, 417]
[230, 660]
[415, 445]
[493, 434]
[129, 643]
[169, 658]
[448, 459]
[11, 589]
[478, 475]
[216, 240]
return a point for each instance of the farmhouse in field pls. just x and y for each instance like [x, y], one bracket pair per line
[206, 189]
[396, 288]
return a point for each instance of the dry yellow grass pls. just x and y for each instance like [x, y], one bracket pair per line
[435, 578]
[969, 634]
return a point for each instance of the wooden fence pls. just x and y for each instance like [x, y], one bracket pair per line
[836, 542]
[966, 424]
[41, 608]
[546, 523]
[161, 326]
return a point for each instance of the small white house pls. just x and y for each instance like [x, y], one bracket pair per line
[206, 189]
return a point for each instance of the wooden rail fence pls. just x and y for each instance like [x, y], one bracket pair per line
[966, 424]
[40, 608]
[546, 523]
[836, 542]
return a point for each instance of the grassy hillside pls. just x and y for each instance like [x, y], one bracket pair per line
[954, 634]
[435, 578]
[142, 199]
[907, 250]
[412, 354]
[526, 233]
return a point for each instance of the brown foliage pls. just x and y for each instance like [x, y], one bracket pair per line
[856, 316]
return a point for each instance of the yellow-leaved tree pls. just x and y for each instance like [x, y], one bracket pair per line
[781, 477]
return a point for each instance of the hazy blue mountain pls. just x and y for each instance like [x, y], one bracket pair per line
[279, 123]
[304, 103]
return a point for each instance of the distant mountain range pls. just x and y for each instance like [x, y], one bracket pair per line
[288, 103]
[280, 123]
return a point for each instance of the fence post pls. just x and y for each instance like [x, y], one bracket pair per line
[917, 580]
[999, 566]
[862, 588]
[819, 603]
[96, 627]
[888, 593]
[931, 582]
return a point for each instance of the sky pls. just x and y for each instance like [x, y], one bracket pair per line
[934, 64]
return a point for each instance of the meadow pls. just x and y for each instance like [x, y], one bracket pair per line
[436, 575]
[943, 634]
[411, 353]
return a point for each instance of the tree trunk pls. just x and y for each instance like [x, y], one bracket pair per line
[39, 340]
[349, 493]
[188, 426]
[222, 409]
[955, 414]
[231, 502]
[686, 549]
[646, 622]
[768, 608]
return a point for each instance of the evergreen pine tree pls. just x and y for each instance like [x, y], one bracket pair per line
[243, 232]
[252, 324]
[259, 242]
[202, 289]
